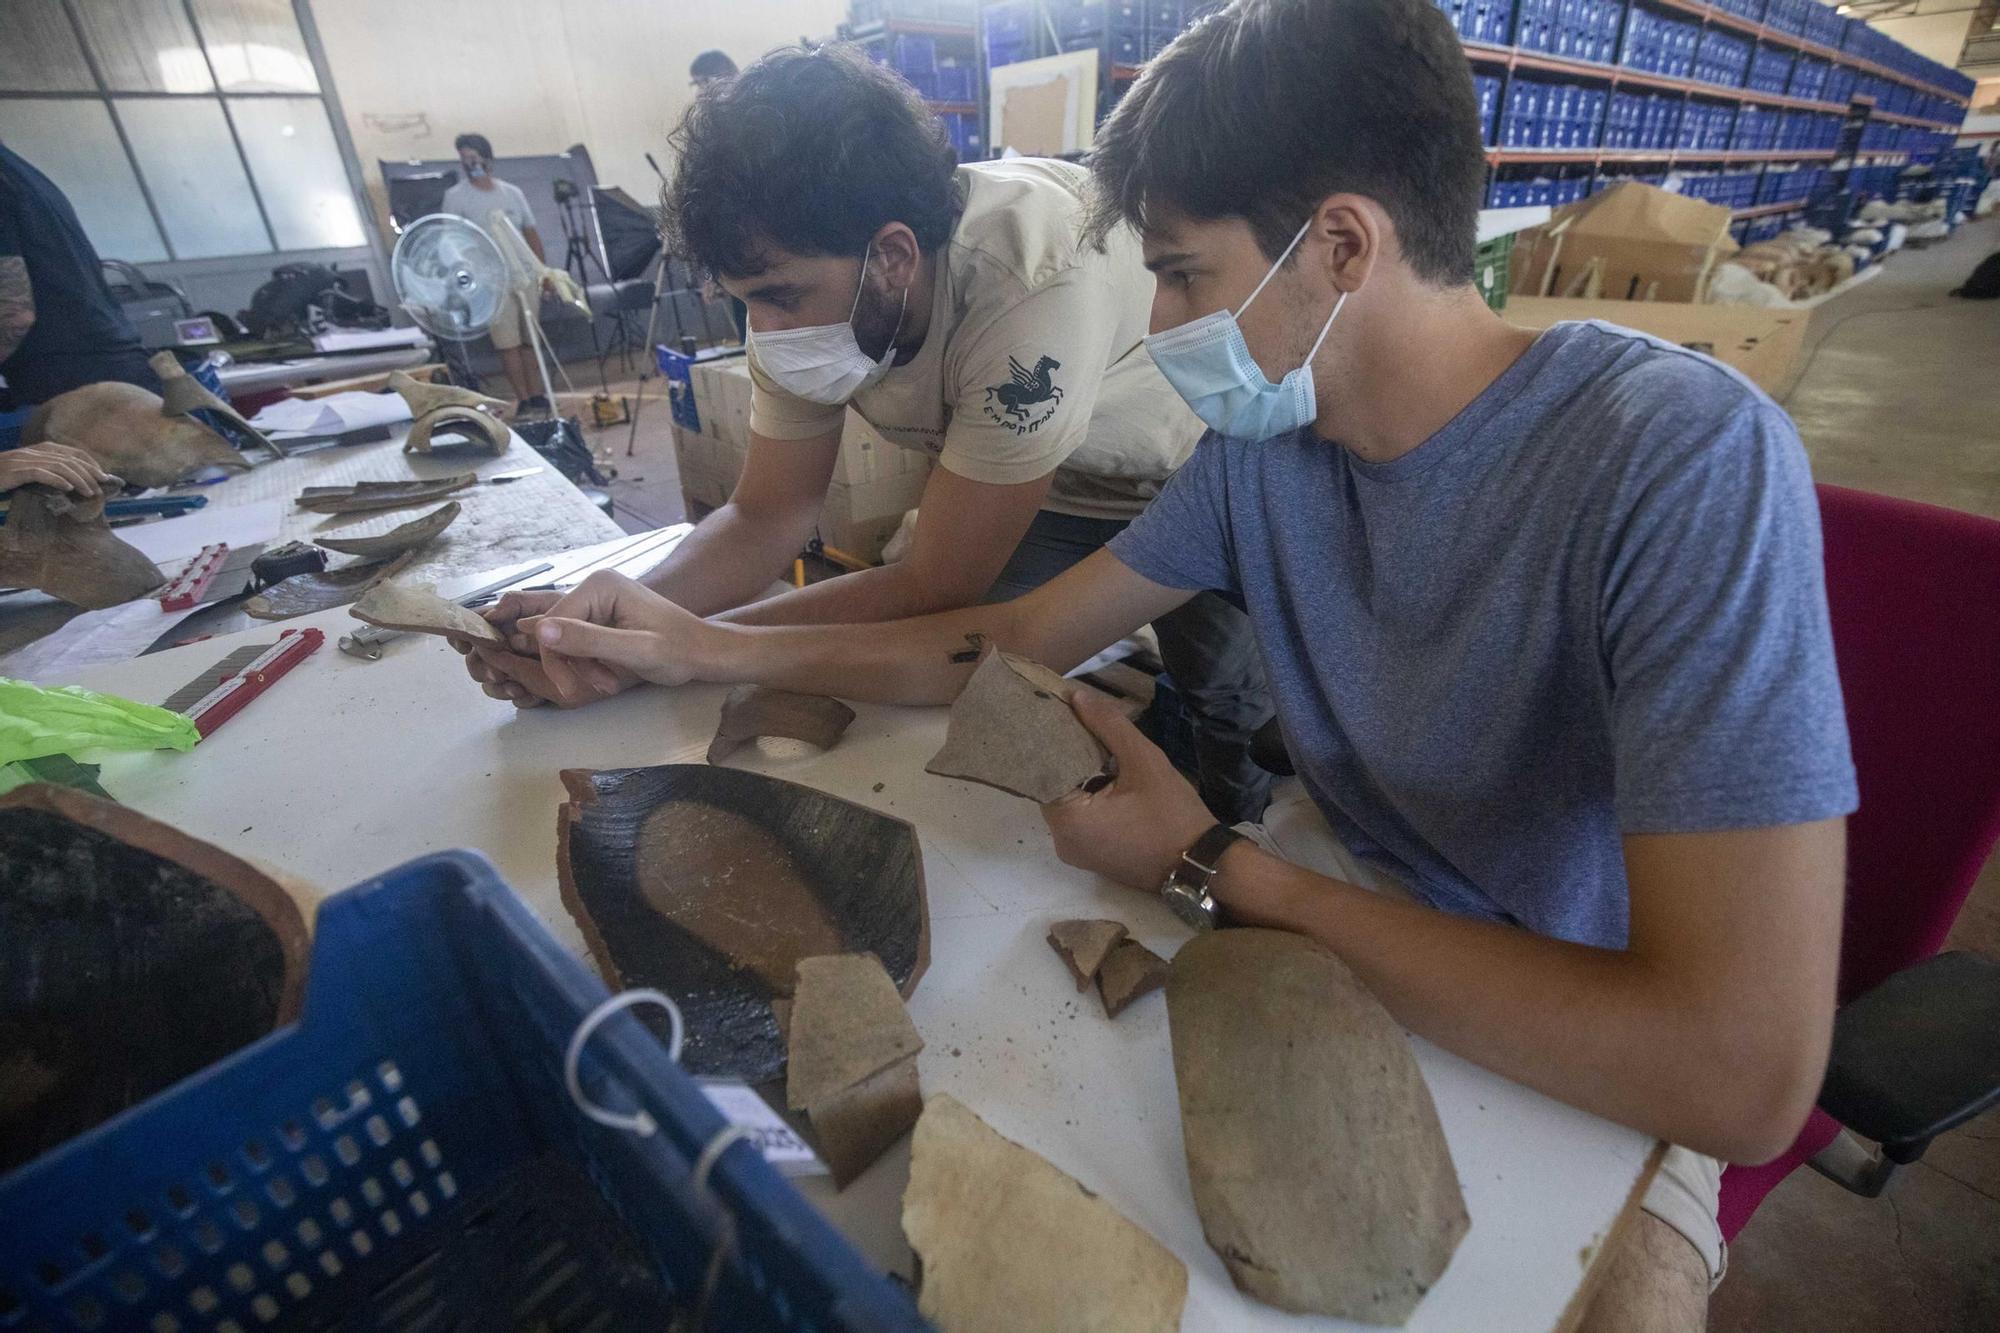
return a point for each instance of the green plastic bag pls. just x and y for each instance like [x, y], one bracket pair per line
[68, 719]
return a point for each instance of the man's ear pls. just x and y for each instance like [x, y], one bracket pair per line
[896, 254]
[1353, 231]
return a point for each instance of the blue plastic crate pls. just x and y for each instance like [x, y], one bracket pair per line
[406, 1154]
[956, 82]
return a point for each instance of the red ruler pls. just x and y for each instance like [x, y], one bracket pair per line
[241, 681]
[187, 587]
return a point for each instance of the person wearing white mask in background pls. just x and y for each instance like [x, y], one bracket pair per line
[1544, 618]
[478, 197]
[961, 313]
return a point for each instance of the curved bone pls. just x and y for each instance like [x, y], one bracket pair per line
[62, 545]
[183, 395]
[425, 397]
[126, 430]
[407, 537]
[470, 421]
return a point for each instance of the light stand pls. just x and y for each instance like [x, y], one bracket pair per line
[577, 257]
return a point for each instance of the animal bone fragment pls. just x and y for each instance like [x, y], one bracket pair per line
[182, 395]
[127, 430]
[749, 711]
[60, 544]
[407, 537]
[419, 610]
[446, 407]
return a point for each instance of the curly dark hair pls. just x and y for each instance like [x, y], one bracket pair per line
[478, 143]
[1266, 107]
[812, 150]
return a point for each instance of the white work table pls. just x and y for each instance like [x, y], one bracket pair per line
[346, 768]
[497, 524]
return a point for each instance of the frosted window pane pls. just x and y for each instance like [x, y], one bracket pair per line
[298, 170]
[197, 180]
[255, 47]
[144, 46]
[75, 145]
[40, 53]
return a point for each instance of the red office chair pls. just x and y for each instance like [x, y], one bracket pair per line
[1915, 597]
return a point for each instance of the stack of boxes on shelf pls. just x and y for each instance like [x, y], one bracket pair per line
[1552, 115]
[934, 45]
[1579, 29]
[1487, 87]
[1772, 69]
[1808, 79]
[1126, 32]
[1642, 121]
[1721, 57]
[1658, 44]
[1489, 21]
[1526, 108]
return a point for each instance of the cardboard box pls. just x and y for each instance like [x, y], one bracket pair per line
[1762, 343]
[1632, 242]
[722, 399]
[859, 520]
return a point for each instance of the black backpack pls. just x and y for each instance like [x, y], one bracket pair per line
[304, 299]
[1984, 284]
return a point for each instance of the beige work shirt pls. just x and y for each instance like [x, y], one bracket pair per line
[1032, 363]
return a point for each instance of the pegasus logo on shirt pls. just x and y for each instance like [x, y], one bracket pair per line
[1019, 403]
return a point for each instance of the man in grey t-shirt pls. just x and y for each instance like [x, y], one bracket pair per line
[1544, 620]
[478, 197]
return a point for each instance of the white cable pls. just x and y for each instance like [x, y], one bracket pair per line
[639, 1122]
[725, 1138]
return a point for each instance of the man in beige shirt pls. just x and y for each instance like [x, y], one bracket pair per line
[960, 312]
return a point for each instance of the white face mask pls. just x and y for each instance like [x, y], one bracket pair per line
[824, 363]
[1210, 366]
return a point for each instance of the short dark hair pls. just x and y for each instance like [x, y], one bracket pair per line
[712, 65]
[810, 149]
[478, 143]
[1265, 108]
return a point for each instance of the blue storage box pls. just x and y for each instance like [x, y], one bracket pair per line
[913, 55]
[955, 82]
[406, 1155]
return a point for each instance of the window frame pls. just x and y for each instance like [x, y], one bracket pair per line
[221, 97]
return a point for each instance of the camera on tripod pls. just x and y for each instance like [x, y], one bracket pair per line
[565, 190]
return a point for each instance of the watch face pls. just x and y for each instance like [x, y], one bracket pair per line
[1191, 906]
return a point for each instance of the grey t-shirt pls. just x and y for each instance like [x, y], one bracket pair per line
[469, 201]
[1591, 605]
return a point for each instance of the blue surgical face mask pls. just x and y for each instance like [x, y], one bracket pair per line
[1210, 365]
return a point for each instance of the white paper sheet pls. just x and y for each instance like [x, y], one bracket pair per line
[115, 634]
[171, 542]
[368, 340]
[334, 414]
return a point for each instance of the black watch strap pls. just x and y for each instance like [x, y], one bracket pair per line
[1209, 847]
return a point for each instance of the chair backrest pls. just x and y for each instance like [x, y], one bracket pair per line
[1914, 592]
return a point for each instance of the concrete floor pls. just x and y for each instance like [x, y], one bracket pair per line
[1899, 393]
[646, 488]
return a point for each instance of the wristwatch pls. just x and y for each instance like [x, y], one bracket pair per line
[1186, 889]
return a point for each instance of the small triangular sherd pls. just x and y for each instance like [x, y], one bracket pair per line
[1083, 946]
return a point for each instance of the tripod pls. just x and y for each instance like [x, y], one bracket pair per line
[577, 258]
[650, 361]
